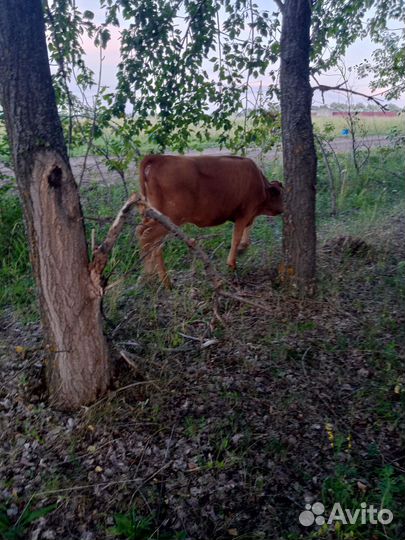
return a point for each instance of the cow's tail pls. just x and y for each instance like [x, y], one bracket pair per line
[144, 171]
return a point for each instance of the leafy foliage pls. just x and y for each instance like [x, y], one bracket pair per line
[387, 66]
[386, 493]
[189, 63]
[67, 25]
[187, 67]
[335, 25]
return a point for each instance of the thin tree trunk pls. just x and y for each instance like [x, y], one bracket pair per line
[77, 353]
[299, 156]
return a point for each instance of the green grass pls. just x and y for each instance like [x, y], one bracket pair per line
[144, 145]
[382, 487]
[361, 200]
[16, 282]
[10, 530]
[371, 126]
[295, 342]
[132, 526]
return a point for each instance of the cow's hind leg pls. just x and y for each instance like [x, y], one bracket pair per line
[238, 230]
[245, 241]
[150, 234]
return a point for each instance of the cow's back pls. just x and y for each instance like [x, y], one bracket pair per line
[204, 190]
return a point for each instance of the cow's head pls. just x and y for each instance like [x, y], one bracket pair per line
[274, 198]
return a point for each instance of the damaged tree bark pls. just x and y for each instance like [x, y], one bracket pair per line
[77, 368]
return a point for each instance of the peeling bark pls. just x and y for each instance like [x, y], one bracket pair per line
[77, 354]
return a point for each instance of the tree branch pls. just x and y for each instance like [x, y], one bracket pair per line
[150, 212]
[217, 280]
[324, 88]
[280, 5]
[94, 119]
[102, 252]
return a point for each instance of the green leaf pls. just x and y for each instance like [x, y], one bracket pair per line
[88, 14]
[28, 517]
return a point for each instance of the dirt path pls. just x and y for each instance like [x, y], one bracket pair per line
[96, 170]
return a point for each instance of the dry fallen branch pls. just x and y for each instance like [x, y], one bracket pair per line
[216, 279]
[243, 300]
[102, 252]
[113, 394]
[128, 360]
[105, 484]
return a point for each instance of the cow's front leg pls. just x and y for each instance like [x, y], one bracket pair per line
[238, 229]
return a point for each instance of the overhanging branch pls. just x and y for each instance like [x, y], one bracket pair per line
[216, 279]
[341, 88]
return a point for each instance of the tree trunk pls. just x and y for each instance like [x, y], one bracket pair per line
[299, 156]
[77, 354]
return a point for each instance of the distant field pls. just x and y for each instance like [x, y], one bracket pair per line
[366, 126]
[370, 126]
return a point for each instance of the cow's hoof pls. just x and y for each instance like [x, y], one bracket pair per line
[167, 283]
[231, 264]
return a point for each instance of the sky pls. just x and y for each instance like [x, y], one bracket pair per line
[356, 53]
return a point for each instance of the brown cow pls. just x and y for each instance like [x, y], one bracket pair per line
[205, 191]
